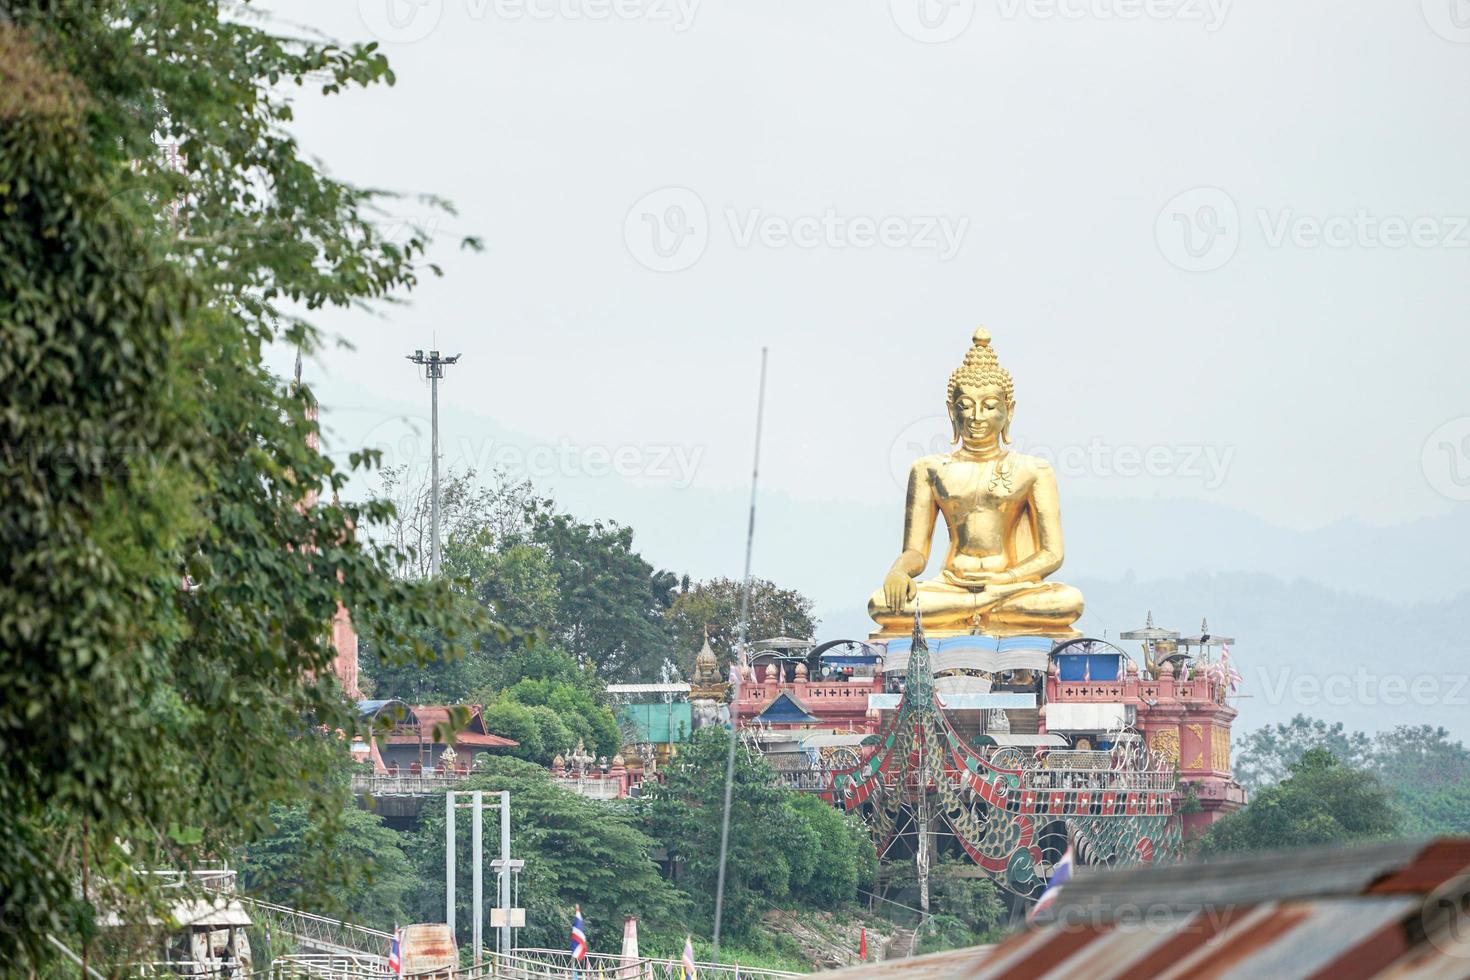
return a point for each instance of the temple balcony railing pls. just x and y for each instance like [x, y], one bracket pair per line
[1196, 689]
[807, 782]
[1099, 780]
[406, 784]
[592, 787]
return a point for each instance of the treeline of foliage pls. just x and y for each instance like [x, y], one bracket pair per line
[786, 850]
[580, 585]
[1316, 783]
[584, 607]
[142, 440]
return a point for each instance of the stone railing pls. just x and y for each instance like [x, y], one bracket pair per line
[406, 784]
[592, 787]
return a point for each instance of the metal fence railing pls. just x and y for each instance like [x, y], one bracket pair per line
[535, 964]
[319, 934]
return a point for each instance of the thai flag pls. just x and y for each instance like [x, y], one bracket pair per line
[1230, 672]
[686, 964]
[1061, 873]
[395, 954]
[579, 937]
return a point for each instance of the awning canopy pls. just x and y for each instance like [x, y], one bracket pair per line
[962, 702]
[786, 710]
[1104, 716]
[987, 653]
[1028, 741]
[825, 740]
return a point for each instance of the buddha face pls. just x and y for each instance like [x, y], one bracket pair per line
[981, 416]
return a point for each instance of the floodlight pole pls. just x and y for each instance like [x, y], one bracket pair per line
[435, 366]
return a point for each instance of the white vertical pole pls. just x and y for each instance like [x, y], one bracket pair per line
[505, 899]
[449, 860]
[478, 931]
[434, 370]
[760, 415]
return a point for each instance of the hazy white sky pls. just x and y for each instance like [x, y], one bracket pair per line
[1223, 247]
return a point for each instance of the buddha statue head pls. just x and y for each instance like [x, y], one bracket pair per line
[982, 398]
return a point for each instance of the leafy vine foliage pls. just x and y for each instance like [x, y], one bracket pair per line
[174, 548]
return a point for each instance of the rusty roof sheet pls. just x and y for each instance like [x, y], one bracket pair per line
[1392, 910]
[1182, 889]
[933, 966]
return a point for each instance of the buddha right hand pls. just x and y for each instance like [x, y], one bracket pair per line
[898, 590]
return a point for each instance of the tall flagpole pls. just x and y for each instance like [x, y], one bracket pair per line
[760, 410]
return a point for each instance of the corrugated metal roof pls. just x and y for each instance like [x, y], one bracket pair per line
[1394, 909]
[1186, 888]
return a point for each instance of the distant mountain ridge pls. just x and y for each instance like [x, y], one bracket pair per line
[1308, 607]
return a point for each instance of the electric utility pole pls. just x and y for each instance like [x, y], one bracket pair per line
[435, 365]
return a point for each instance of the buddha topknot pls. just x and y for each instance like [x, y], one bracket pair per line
[982, 369]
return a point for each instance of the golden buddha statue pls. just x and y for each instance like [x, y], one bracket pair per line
[1004, 521]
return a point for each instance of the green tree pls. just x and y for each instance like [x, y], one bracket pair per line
[476, 519]
[453, 671]
[285, 865]
[684, 815]
[1266, 755]
[170, 580]
[1322, 801]
[1428, 777]
[715, 606]
[841, 858]
[515, 721]
[577, 851]
[783, 845]
[1424, 771]
[611, 603]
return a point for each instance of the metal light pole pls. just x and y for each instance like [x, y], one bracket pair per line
[435, 366]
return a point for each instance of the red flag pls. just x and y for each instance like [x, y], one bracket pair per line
[863, 944]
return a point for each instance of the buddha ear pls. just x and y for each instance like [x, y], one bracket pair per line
[954, 425]
[1005, 433]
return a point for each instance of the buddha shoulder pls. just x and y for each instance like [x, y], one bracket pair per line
[1019, 463]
